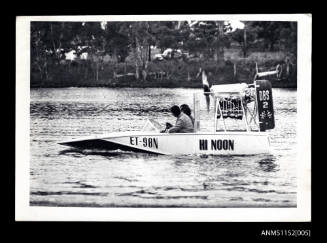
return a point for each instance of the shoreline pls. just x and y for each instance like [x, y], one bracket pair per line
[146, 85]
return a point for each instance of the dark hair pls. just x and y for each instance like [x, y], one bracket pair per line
[186, 109]
[175, 110]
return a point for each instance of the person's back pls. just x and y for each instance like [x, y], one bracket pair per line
[192, 119]
[184, 124]
[187, 110]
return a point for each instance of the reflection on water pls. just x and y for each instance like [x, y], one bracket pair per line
[268, 164]
[61, 176]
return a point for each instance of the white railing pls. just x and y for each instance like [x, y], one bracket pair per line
[249, 116]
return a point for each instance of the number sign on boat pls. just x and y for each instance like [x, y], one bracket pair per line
[265, 105]
[145, 142]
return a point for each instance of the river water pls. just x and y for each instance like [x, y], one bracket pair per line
[60, 176]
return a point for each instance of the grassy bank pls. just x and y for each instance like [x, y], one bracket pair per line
[167, 74]
[148, 84]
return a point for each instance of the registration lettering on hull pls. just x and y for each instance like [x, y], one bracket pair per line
[146, 142]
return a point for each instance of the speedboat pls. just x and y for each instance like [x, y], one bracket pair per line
[251, 104]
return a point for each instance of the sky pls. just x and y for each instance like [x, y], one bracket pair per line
[236, 24]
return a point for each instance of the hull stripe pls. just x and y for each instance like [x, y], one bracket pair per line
[106, 145]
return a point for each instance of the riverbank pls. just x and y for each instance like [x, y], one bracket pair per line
[148, 84]
[165, 74]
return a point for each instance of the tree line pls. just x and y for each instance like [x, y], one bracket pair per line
[208, 40]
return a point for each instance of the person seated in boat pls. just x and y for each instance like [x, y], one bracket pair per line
[187, 110]
[183, 123]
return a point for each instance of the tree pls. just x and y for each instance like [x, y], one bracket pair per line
[288, 37]
[244, 37]
[275, 32]
[117, 42]
[170, 34]
[140, 40]
[92, 37]
[39, 53]
[208, 38]
[49, 42]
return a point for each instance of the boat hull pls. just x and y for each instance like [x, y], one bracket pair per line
[220, 143]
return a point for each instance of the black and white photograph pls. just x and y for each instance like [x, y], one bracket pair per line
[119, 115]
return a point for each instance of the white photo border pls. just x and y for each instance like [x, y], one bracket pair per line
[302, 213]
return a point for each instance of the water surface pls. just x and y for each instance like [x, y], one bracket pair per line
[61, 176]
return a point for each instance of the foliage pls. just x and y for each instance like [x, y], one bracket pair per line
[203, 42]
[208, 38]
[275, 32]
[244, 37]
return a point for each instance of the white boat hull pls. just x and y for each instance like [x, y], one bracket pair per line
[220, 143]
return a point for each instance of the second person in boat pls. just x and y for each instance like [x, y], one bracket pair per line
[183, 124]
[187, 110]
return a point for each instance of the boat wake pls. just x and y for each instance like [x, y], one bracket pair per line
[76, 152]
[80, 152]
